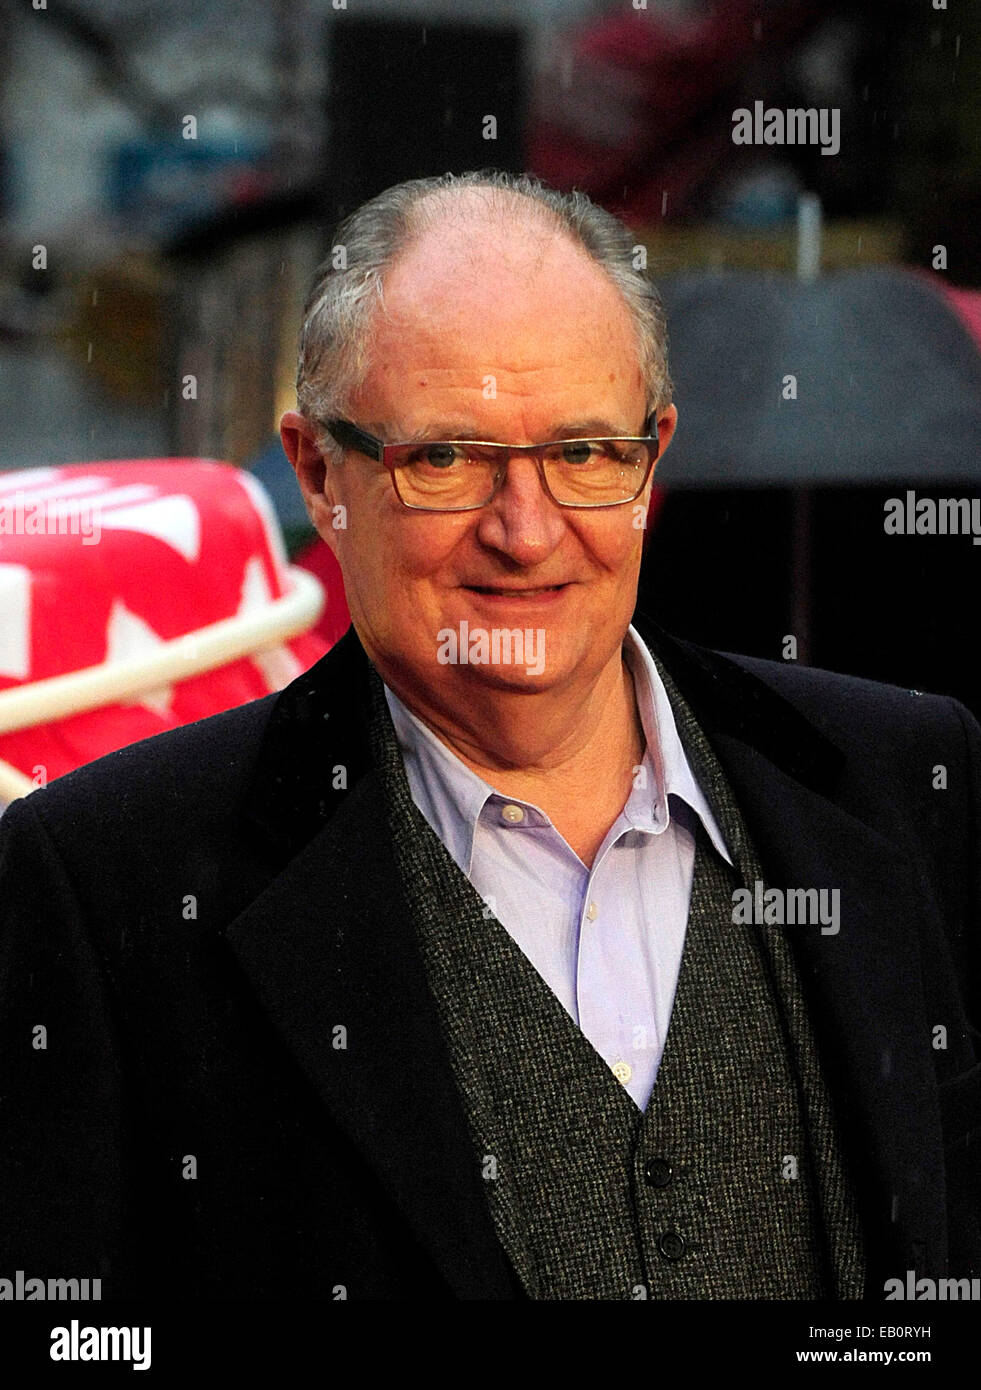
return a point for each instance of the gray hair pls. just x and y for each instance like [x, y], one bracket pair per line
[347, 288]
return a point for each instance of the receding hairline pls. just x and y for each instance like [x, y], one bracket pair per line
[488, 206]
[497, 204]
[509, 211]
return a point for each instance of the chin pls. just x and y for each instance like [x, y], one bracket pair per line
[516, 680]
[501, 656]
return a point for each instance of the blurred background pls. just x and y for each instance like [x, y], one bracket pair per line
[171, 172]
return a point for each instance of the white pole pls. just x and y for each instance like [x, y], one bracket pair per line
[42, 702]
[808, 236]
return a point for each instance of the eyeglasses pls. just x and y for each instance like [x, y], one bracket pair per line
[461, 475]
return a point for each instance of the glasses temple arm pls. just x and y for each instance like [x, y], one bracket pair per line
[350, 437]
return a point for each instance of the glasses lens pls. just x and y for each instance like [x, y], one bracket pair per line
[445, 475]
[588, 472]
[591, 472]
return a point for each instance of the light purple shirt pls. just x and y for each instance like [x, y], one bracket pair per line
[606, 940]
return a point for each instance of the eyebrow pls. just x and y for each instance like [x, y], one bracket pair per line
[591, 428]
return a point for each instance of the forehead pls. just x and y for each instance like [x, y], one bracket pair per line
[474, 297]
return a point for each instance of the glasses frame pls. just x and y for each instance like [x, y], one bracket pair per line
[351, 436]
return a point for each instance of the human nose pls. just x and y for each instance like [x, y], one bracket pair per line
[521, 518]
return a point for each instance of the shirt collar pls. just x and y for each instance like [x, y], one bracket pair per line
[453, 797]
[673, 771]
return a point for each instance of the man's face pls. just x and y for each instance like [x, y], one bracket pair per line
[501, 336]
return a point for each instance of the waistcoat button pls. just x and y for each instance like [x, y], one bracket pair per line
[671, 1245]
[658, 1172]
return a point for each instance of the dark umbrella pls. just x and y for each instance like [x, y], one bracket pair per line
[888, 380]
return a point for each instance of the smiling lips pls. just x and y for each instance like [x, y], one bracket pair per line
[505, 591]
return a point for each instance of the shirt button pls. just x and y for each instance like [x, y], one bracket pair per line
[623, 1071]
[592, 912]
[658, 1172]
[671, 1245]
[512, 813]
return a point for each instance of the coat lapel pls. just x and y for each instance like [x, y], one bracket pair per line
[330, 942]
[863, 985]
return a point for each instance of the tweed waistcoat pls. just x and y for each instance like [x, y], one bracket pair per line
[731, 1184]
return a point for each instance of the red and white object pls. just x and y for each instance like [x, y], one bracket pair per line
[135, 597]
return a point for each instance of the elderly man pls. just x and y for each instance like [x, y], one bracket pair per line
[532, 952]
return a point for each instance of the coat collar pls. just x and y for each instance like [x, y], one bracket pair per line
[327, 942]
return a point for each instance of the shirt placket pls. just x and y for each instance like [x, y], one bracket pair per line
[615, 1010]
